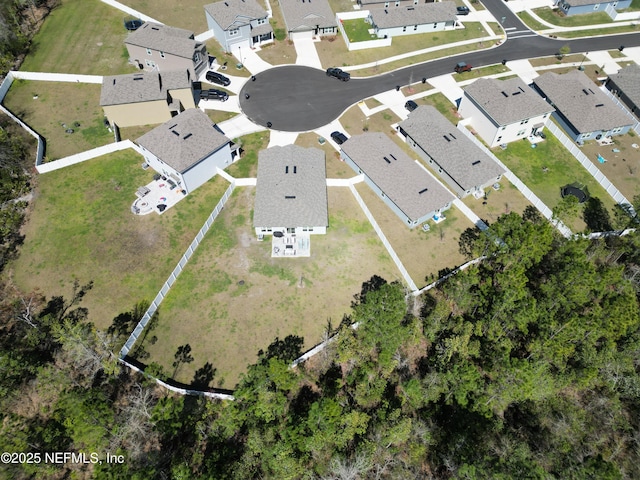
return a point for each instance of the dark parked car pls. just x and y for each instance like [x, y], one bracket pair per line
[339, 74]
[463, 10]
[410, 105]
[213, 94]
[462, 67]
[215, 77]
[339, 137]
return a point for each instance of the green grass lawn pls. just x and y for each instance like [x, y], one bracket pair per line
[80, 36]
[599, 32]
[546, 169]
[531, 22]
[554, 17]
[76, 105]
[358, 30]
[81, 227]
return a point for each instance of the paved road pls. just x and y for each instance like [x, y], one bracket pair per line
[299, 99]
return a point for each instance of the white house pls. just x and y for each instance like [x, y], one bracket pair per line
[413, 19]
[187, 149]
[583, 111]
[407, 188]
[238, 24]
[306, 18]
[503, 111]
[291, 192]
[577, 7]
[456, 158]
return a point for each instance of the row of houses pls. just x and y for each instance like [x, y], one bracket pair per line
[503, 111]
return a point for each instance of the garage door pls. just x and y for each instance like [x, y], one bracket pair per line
[241, 45]
[298, 35]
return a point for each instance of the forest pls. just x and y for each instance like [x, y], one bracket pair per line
[524, 365]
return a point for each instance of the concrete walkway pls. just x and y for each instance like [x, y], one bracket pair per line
[523, 69]
[306, 52]
[604, 61]
[326, 131]
[238, 126]
[448, 86]
[281, 139]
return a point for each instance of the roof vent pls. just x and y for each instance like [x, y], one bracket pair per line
[155, 28]
[452, 136]
[591, 91]
[600, 105]
[173, 126]
[226, 4]
[391, 155]
[520, 88]
[114, 81]
[289, 197]
[424, 190]
[477, 162]
[385, 11]
[187, 136]
[584, 90]
[410, 8]
[135, 78]
[504, 93]
[295, 169]
[446, 138]
[286, 169]
[175, 133]
[516, 93]
[386, 160]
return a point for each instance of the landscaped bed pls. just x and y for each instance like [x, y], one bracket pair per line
[81, 227]
[59, 108]
[233, 299]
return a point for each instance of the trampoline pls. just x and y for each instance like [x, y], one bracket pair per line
[575, 191]
[132, 24]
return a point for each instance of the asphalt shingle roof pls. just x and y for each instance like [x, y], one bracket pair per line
[231, 14]
[141, 87]
[404, 182]
[581, 101]
[580, 3]
[291, 188]
[507, 101]
[628, 81]
[463, 161]
[306, 14]
[414, 14]
[184, 140]
[162, 38]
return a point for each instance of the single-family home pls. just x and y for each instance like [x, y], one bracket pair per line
[238, 24]
[465, 167]
[145, 98]
[291, 192]
[372, 4]
[626, 86]
[409, 20]
[306, 18]
[583, 111]
[187, 150]
[576, 7]
[163, 48]
[411, 192]
[503, 111]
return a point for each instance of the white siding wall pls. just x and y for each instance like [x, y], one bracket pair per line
[322, 230]
[158, 165]
[206, 169]
[413, 29]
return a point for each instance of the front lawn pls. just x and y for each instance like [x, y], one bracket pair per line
[556, 17]
[81, 227]
[80, 36]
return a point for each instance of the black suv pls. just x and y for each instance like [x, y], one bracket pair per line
[339, 137]
[410, 105]
[213, 94]
[339, 74]
[215, 77]
[463, 10]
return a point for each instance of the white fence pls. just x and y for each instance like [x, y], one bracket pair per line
[57, 77]
[361, 14]
[84, 156]
[174, 274]
[526, 192]
[621, 16]
[130, 11]
[4, 88]
[609, 187]
[383, 238]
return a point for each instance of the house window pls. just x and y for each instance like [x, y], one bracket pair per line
[161, 54]
[262, 21]
[404, 29]
[148, 51]
[150, 64]
[415, 2]
[503, 128]
[415, 27]
[386, 4]
[435, 25]
[521, 132]
[587, 135]
[498, 139]
[196, 57]
[233, 32]
[596, 6]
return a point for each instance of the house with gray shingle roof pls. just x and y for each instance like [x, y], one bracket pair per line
[583, 111]
[626, 86]
[291, 191]
[306, 18]
[456, 158]
[187, 149]
[145, 98]
[163, 48]
[373, 4]
[576, 7]
[407, 188]
[238, 24]
[413, 19]
[503, 111]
